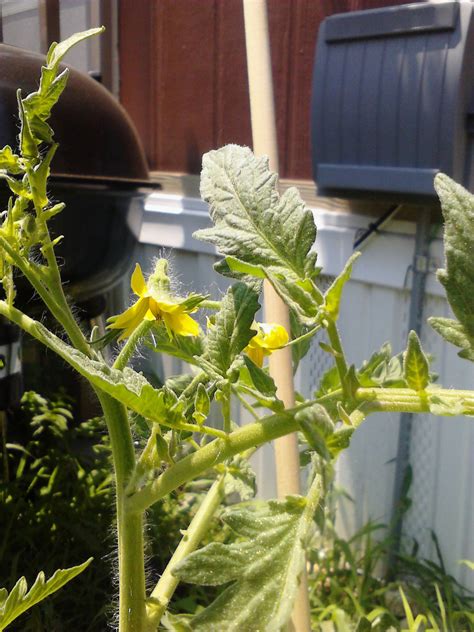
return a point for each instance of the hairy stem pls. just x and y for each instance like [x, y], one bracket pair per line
[129, 347]
[132, 613]
[340, 359]
[217, 451]
[164, 589]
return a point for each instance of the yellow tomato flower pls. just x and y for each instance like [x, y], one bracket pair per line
[269, 338]
[175, 315]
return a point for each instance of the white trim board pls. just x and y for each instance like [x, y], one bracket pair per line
[170, 220]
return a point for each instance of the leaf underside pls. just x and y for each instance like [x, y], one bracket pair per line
[263, 567]
[458, 278]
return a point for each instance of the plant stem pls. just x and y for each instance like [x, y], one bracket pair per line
[340, 359]
[132, 613]
[55, 289]
[217, 451]
[408, 400]
[208, 304]
[198, 527]
[129, 347]
[226, 409]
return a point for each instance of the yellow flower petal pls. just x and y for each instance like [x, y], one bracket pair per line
[130, 318]
[181, 324]
[274, 336]
[168, 307]
[138, 282]
[256, 355]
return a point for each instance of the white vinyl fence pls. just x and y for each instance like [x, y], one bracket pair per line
[374, 310]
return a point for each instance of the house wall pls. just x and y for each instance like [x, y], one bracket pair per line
[184, 78]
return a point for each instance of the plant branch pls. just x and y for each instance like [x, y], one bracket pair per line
[340, 358]
[164, 589]
[129, 347]
[217, 451]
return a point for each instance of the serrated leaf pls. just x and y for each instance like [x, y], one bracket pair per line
[35, 109]
[232, 331]
[370, 366]
[232, 267]
[339, 440]
[28, 145]
[39, 177]
[183, 347]
[255, 226]
[458, 278]
[10, 161]
[255, 376]
[21, 599]
[264, 566]
[240, 479]
[202, 404]
[318, 417]
[58, 51]
[40, 103]
[332, 296]
[390, 374]
[454, 332]
[415, 364]
[128, 387]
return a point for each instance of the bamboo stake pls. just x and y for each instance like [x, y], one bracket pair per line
[262, 111]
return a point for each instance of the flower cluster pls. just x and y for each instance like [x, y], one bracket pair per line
[153, 305]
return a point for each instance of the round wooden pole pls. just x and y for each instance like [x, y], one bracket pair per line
[264, 137]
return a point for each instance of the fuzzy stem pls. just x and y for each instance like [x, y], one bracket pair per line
[55, 289]
[198, 527]
[129, 347]
[132, 613]
[217, 451]
[340, 359]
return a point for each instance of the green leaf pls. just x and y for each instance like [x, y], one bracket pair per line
[333, 294]
[182, 347]
[301, 348]
[255, 376]
[232, 267]
[452, 331]
[370, 366]
[340, 440]
[58, 51]
[232, 331]
[318, 417]
[458, 278]
[10, 161]
[28, 144]
[21, 599]
[415, 364]
[253, 225]
[240, 479]
[39, 176]
[264, 566]
[127, 386]
[390, 374]
[36, 107]
[39, 104]
[468, 563]
[202, 404]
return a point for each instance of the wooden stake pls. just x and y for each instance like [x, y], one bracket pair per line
[262, 111]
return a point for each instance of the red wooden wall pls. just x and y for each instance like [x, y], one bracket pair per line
[184, 78]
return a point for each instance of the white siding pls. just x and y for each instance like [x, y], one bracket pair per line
[374, 310]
